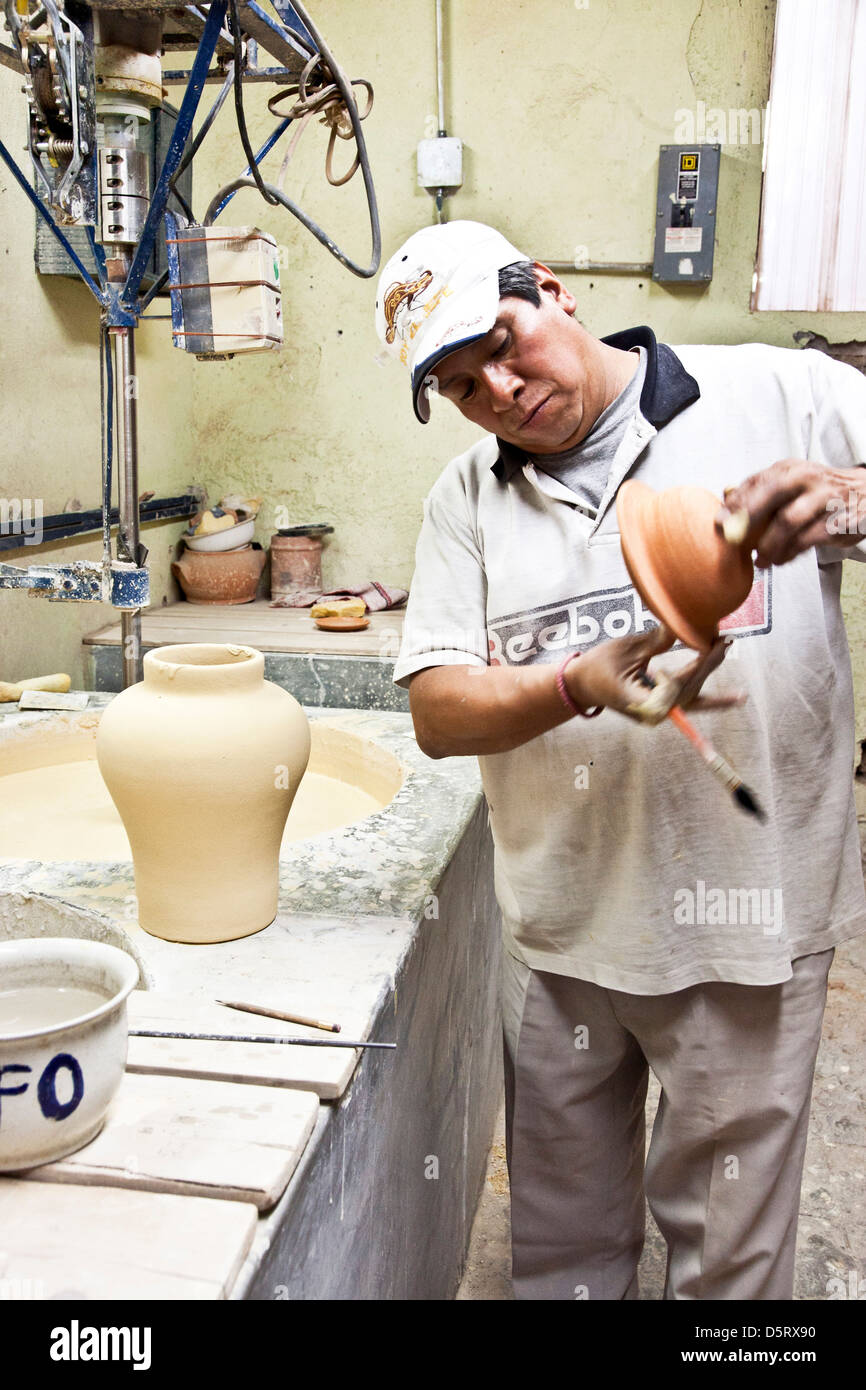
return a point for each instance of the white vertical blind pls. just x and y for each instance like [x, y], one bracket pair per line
[812, 242]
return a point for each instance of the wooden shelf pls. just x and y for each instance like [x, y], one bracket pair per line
[259, 625]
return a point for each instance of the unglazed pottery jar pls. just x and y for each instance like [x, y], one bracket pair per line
[203, 759]
[222, 578]
[685, 572]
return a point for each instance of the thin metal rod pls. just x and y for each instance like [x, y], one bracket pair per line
[439, 195]
[256, 1038]
[176, 77]
[195, 145]
[62, 524]
[440, 69]
[292, 36]
[98, 256]
[155, 288]
[106, 409]
[174, 153]
[599, 267]
[43, 212]
[10, 58]
[127, 389]
[266, 147]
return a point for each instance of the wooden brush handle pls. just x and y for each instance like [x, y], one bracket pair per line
[686, 727]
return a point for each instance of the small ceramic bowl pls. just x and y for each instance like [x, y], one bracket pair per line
[59, 1076]
[229, 539]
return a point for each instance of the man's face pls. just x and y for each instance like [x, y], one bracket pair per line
[535, 379]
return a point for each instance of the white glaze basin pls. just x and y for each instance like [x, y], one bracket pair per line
[55, 808]
[66, 1062]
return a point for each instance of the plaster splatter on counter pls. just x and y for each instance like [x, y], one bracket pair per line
[393, 855]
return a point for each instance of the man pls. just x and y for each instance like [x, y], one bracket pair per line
[647, 921]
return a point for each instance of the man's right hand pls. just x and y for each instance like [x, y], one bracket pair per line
[794, 505]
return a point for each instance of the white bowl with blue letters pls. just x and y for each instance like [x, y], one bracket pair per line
[63, 1041]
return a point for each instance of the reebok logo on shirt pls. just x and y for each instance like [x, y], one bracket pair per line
[585, 619]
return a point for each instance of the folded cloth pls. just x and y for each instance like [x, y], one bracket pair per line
[299, 598]
[375, 595]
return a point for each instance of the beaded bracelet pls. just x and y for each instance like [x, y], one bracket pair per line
[565, 696]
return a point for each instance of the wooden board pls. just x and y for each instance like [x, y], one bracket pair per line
[197, 1138]
[259, 625]
[324, 1071]
[103, 1243]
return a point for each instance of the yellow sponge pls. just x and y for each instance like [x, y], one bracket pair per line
[210, 524]
[339, 608]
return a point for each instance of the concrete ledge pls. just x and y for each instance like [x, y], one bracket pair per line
[329, 682]
[382, 1203]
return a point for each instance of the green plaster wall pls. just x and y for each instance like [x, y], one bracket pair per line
[49, 425]
[561, 107]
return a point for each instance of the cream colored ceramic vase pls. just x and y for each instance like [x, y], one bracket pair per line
[203, 759]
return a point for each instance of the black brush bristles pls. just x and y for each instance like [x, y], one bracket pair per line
[747, 800]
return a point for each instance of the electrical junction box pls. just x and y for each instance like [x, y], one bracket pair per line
[225, 289]
[440, 163]
[686, 213]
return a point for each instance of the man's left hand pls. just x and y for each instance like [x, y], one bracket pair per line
[794, 505]
[616, 672]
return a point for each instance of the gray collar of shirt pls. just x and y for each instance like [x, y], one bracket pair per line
[667, 389]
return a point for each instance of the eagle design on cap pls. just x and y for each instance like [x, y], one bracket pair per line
[403, 292]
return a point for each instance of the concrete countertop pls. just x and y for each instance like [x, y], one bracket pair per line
[358, 917]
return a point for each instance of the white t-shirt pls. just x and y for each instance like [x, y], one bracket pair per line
[618, 858]
[585, 469]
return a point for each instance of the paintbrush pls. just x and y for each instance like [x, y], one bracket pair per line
[278, 1013]
[718, 766]
[255, 1038]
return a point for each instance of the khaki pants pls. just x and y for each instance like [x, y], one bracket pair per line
[722, 1176]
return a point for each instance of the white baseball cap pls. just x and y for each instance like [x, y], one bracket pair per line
[439, 292]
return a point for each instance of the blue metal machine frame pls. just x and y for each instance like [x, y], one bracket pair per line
[174, 154]
[126, 586]
[121, 306]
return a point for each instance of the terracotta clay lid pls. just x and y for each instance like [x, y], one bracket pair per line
[687, 574]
